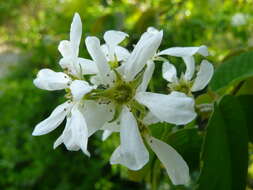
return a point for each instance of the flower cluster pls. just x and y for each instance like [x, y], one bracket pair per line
[109, 92]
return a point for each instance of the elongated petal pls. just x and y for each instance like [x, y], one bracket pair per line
[67, 138]
[174, 164]
[203, 76]
[72, 65]
[150, 119]
[66, 49]
[122, 54]
[174, 108]
[79, 130]
[190, 67]
[79, 88]
[144, 50]
[185, 51]
[147, 76]
[87, 66]
[75, 134]
[76, 33]
[169, 72]
[110, 128]
[93, 46]
[106, 134]
[96, 115]
[132, 152]
[49, 80]
[66, 63]
[113, 37]
[53, 121]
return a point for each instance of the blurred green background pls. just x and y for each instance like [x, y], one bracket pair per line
[30, 31]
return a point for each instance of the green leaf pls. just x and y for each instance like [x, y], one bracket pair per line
[246, 102]
[233, 71]
[225, 149]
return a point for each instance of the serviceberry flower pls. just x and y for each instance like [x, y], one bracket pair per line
[80, 115]
[124, 88]
[75, 134]
[187, 83]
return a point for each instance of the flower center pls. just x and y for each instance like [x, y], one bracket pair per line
[182, 86]
[122, 93]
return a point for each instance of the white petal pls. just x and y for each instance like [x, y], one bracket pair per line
[96, 115]
[65, 63]
[76, 33]
[53, 121]
[93, 46]
[47, 79]
[203, 76]
[174, 164]
[113, 37]
[147, 76]
[105, 50]
[132, 152]
[122, 54]
[112, 126]
[66, 49]
[106, 134]
[58, 142]
[72, 66]
[144, 50]
[152, 30]
[80, 130]
[88, 67]
[150, 119]
[185, 51]
[75, 134]
[190, 67]
[79, 88]
[169, 72]
[174, 108]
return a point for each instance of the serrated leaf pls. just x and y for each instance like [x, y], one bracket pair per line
[233, 71]
[225, 150]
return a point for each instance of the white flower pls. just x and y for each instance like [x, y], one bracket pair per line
[70, 49]
[204, 74]
[175, 108]
[75, 134]
[81, 115]
[238, 19]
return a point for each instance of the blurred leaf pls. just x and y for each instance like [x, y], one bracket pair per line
[232, 71]
[225, 146]
[147, 19]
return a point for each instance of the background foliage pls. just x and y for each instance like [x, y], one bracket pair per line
[30, 31]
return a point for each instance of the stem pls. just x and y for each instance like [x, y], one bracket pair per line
[156, 174]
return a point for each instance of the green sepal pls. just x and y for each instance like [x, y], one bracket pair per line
[118, 109]
[138, 79]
